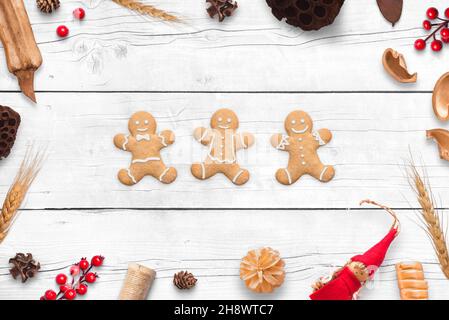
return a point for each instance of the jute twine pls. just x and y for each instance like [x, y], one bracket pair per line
[137, 283]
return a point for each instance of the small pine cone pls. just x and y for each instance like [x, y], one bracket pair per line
[48, 6]
[184, 280]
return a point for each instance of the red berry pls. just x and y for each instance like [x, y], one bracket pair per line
[64, 287]
[74, 270]
[50, 295]
[61, 278]
[436, 45]
[84, 264]
[91, 277]
[420, 44]
[445, 40]
[82, 289]
[427, 25]
[445, 33]
[97, 261]
[62, 31]
[446, 13]
[42, 298]
[70, 294]
[432, 13]
[79, 13]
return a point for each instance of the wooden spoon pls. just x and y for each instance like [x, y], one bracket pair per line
[394, 64]
[440, 98]
[441, 136]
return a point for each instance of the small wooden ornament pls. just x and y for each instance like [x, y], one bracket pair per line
[391, 9]
[394, 64]
[440, 98]
[441, 137]
[411, 282]
[137, 283]
[262, 270]
[22, 53]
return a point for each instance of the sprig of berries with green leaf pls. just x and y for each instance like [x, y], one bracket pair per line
[81, 274]
[441, 26]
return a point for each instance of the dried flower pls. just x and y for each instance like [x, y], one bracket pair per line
[24, 265]
[222, 8]
[184, 280]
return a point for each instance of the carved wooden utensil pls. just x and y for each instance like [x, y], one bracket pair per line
[22, 54]
[440, 98]
[394, 64]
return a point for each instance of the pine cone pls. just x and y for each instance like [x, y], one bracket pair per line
[9, 123]
[262, 270]
[48, 6]
[184, 280]
[306, 14]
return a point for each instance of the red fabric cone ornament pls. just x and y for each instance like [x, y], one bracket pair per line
[375, 256]
[345, 284]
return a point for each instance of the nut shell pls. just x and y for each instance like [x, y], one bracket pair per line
[306, 14]
[440, 98]
[9, 124]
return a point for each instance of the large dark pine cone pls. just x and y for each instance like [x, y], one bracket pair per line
[9, 123]
[306, 14]
[184, 280]
[48, 6]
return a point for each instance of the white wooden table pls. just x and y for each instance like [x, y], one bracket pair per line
[116, 62]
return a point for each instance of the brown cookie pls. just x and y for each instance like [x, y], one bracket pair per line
[301, 142]
[306, 14]
[9, 124]
[145, 145]
[223, 141]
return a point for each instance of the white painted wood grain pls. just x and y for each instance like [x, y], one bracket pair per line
[373, 134]
[210, 244]
[113, 47]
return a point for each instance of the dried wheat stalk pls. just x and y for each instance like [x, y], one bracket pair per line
[146, 9]
[430, 217]
[27, 173]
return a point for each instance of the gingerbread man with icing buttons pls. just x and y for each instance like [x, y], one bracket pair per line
[145, 145]
[223, 142]
[301, 142]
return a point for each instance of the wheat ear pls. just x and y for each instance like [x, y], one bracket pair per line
[27, 173]
[430, 217]
[146, 9]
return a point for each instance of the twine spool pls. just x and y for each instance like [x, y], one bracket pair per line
[137, 283]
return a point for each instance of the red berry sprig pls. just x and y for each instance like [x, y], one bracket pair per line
[81, 273]
[441, 26]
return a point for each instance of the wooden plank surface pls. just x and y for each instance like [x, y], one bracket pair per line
[373, 136]
[116, 62]
[252, 51]
[210, 244]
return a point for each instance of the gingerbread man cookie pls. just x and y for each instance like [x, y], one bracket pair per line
[223, 142]
[145, 145]
[301, 142]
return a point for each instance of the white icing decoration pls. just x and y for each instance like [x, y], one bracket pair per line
[203, 171]
[163, 174]
[143, 137]
[162, 140]
[146, 160]
[204, 135]
[131, 176]
[242, 140]
[284, 142]
[142, 129]
[125, 143]
[237, 176]
[212, 145]
[288, 176]
[322, 173]
[300, 131]
[317, 137]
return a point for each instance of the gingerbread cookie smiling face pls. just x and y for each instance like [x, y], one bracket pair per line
[142, 123]
[223, 142]
[145, 145]
[302, 142]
